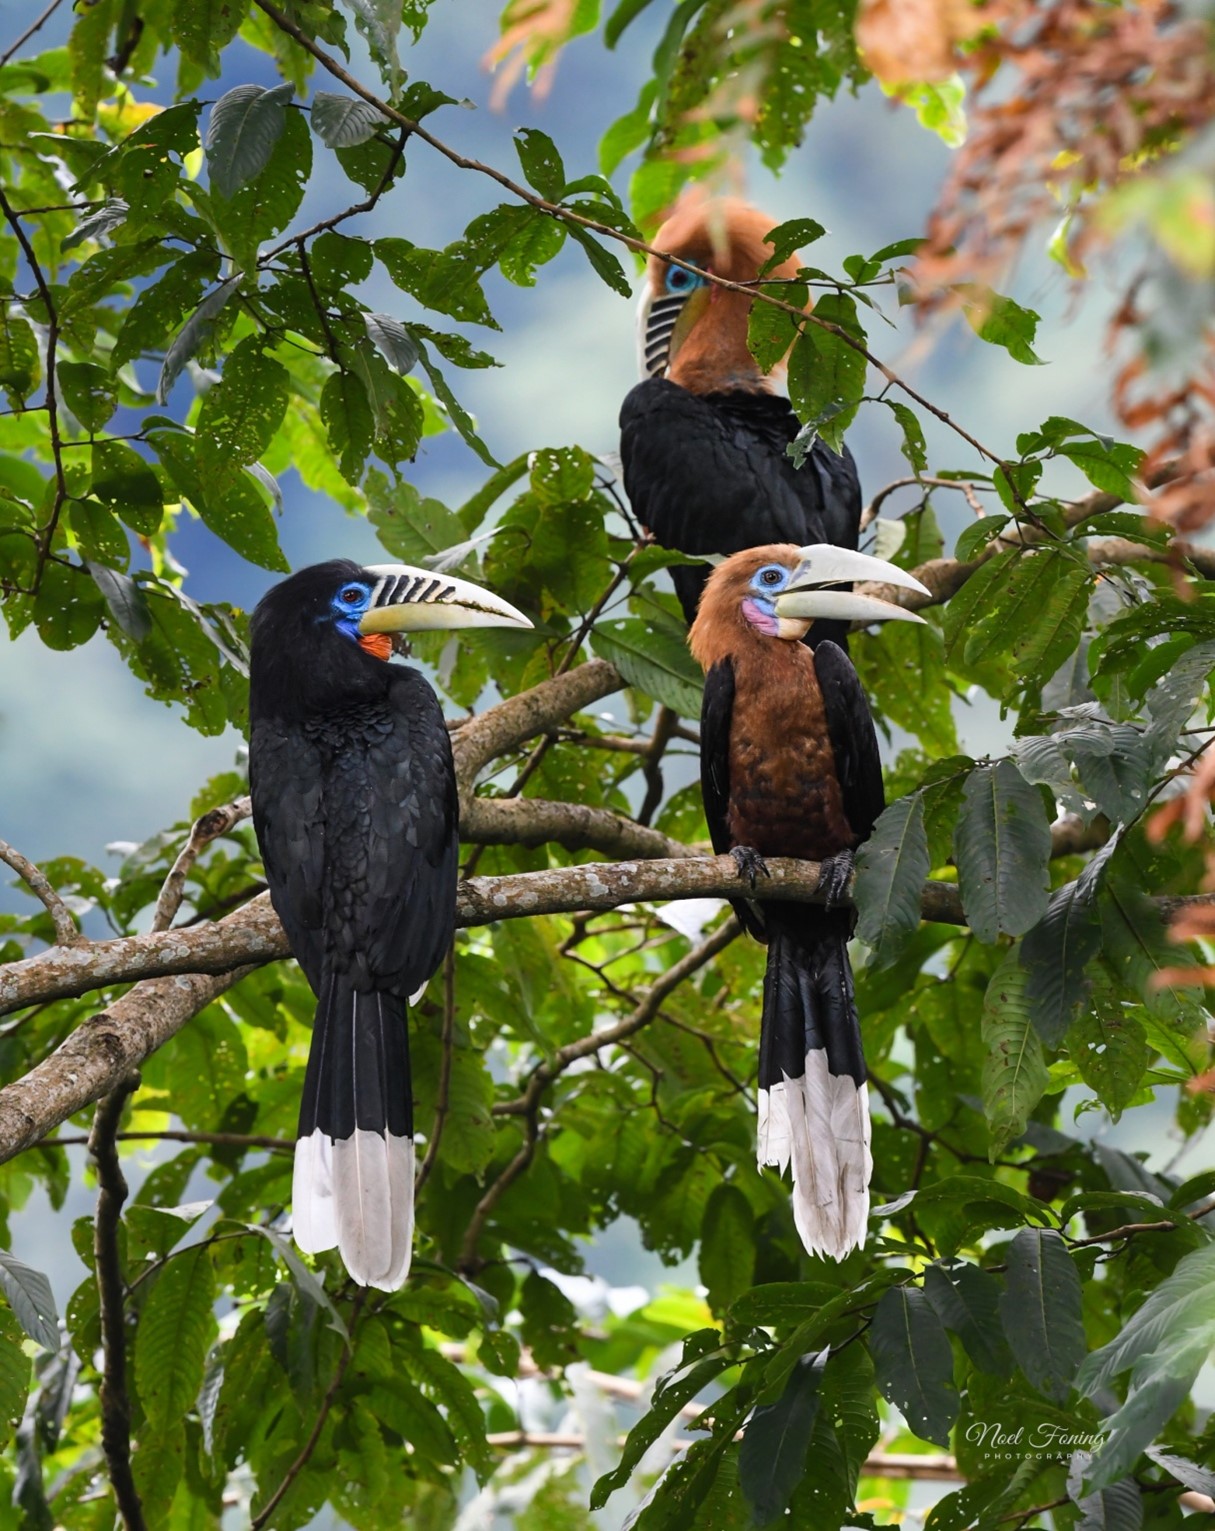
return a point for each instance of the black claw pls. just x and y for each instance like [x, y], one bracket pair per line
[750, 863]
[835, 873]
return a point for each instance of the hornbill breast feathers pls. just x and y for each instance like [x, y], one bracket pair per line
[356, 814]
[790, 767]
[704, 437]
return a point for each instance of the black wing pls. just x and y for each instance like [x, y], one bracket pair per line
[853, 738]
[286, 780]
[716, 710]
[712, 475]
[392, 827]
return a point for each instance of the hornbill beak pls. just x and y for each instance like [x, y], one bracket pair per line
[657, 318]
[810, 595]
[407, 600]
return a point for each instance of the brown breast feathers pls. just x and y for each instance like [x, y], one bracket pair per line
[785, 798]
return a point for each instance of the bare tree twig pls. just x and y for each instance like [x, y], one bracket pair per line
[212, 824]
[107, 1261]
[37, 882]
[36, 25]
[174, 1135]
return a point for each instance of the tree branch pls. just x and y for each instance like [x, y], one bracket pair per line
[37, 882]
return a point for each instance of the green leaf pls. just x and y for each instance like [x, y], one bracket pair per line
[111, 215]
[1117, 1508]
[202, 29]
[914, 447]
[268, 202]
[1014, 1071]
[1106, 464]
[604, 263]
[246, 123]
[966, 1300]
[891, 868]
[460, 417]
[771, 331]
[1041, 1311]
[654, 661]
[31, 1299]
[786, 239]
[1001, 322]
[826, 374]
[772, 1460]
[1057, 951]
[192, 336]
[393, 341]
[176, 1326]
[727, 1246]
[541, 162]
[1108, 1044]
[89, 392]
[236, 513]
[914, 1363]
[19, 364]
[1002, 845]
[347, 414]
[411, 528]
[15, 1375]
[340, 122]
[240, 415]
[124, 482]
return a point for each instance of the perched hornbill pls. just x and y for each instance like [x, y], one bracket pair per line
[703, 439]
[354, 804]
[789, 767]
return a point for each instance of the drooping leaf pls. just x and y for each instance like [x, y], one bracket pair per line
[31, 1299]
[1002, 844]
[914, 1363]
[966, 1299]
[772, 1460]
[727, 1246]
[192, 336]
[1014, 1071]
[1108, 1044]
[1041, 1311]
[890, 872]
[654, 661]
[1055, 954]
[175, 1330]
[343, 121]
[240, 415]
[246, 123]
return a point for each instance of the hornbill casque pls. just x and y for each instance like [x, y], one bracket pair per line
[704, 438]
[789, 767]
[356, 814]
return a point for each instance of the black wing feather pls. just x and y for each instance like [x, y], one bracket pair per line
[853, 738]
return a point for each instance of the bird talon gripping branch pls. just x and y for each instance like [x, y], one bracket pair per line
[355, 808]
[789, 766]
[834, 875]
[749, 862]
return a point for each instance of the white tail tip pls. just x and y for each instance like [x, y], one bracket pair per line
[356, 1193]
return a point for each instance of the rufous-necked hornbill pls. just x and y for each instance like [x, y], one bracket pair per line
[355, 808]
[704, 438]
[789, 767]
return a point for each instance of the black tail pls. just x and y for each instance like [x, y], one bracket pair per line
[813, 1107]
[354, 1159]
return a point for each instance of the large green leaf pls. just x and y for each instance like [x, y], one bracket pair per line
[31, 1299]
[772, 1460]
[826, 373]
[1014, 1071]
[914, 1363]
[245, 125]
[890, 870]
[727, 1246]
[1041, 1311]
[1108, 1044]
[239, 416]
[1056, 952]
[654, 661]
[966, 1299]
[176, 1327]
[15, 1370]
[1002, 844]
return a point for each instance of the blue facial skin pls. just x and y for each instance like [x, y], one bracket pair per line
[680, 282]
[759, 608]
[348, 607]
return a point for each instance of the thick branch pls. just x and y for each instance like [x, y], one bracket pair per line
[576, 826]
[509, 724]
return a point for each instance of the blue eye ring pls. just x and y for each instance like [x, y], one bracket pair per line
[771, 575]
[680, 281]
[352, 594]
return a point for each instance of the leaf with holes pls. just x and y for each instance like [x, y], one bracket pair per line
[654, 661]
[1002, 845]
[1014, 1071]
[245, 125]
[31, 1299]
[772, 1460]
[1041, 1310]
[914, 1363]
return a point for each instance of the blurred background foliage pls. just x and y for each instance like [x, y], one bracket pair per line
[248, 321]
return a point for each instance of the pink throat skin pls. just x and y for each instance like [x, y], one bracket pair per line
[763, 621]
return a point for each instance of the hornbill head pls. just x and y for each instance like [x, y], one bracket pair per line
[688, 330]
[779, 590]
[371, 605]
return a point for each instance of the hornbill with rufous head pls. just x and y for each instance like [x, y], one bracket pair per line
[789, 767]
[356, 813]
[704, 438]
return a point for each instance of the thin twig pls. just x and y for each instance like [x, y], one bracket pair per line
[216, 822]
[39, 885]
[923, 480]
[467, 1260]
[309, 1446]
[353, 211]
[115, 1406]
[173, 1135]
[33, 27]
[652, 770]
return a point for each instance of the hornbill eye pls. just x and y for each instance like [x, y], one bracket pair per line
[679, 280]
[770, 576]
[352, 594]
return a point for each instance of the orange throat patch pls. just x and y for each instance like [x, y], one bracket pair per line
[378, 645]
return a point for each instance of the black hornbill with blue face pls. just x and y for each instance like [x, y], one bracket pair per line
[789, 767]
[355, 808]
[704, 438]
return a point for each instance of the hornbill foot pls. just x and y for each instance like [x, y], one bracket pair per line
[750, 863]
[834, 875]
